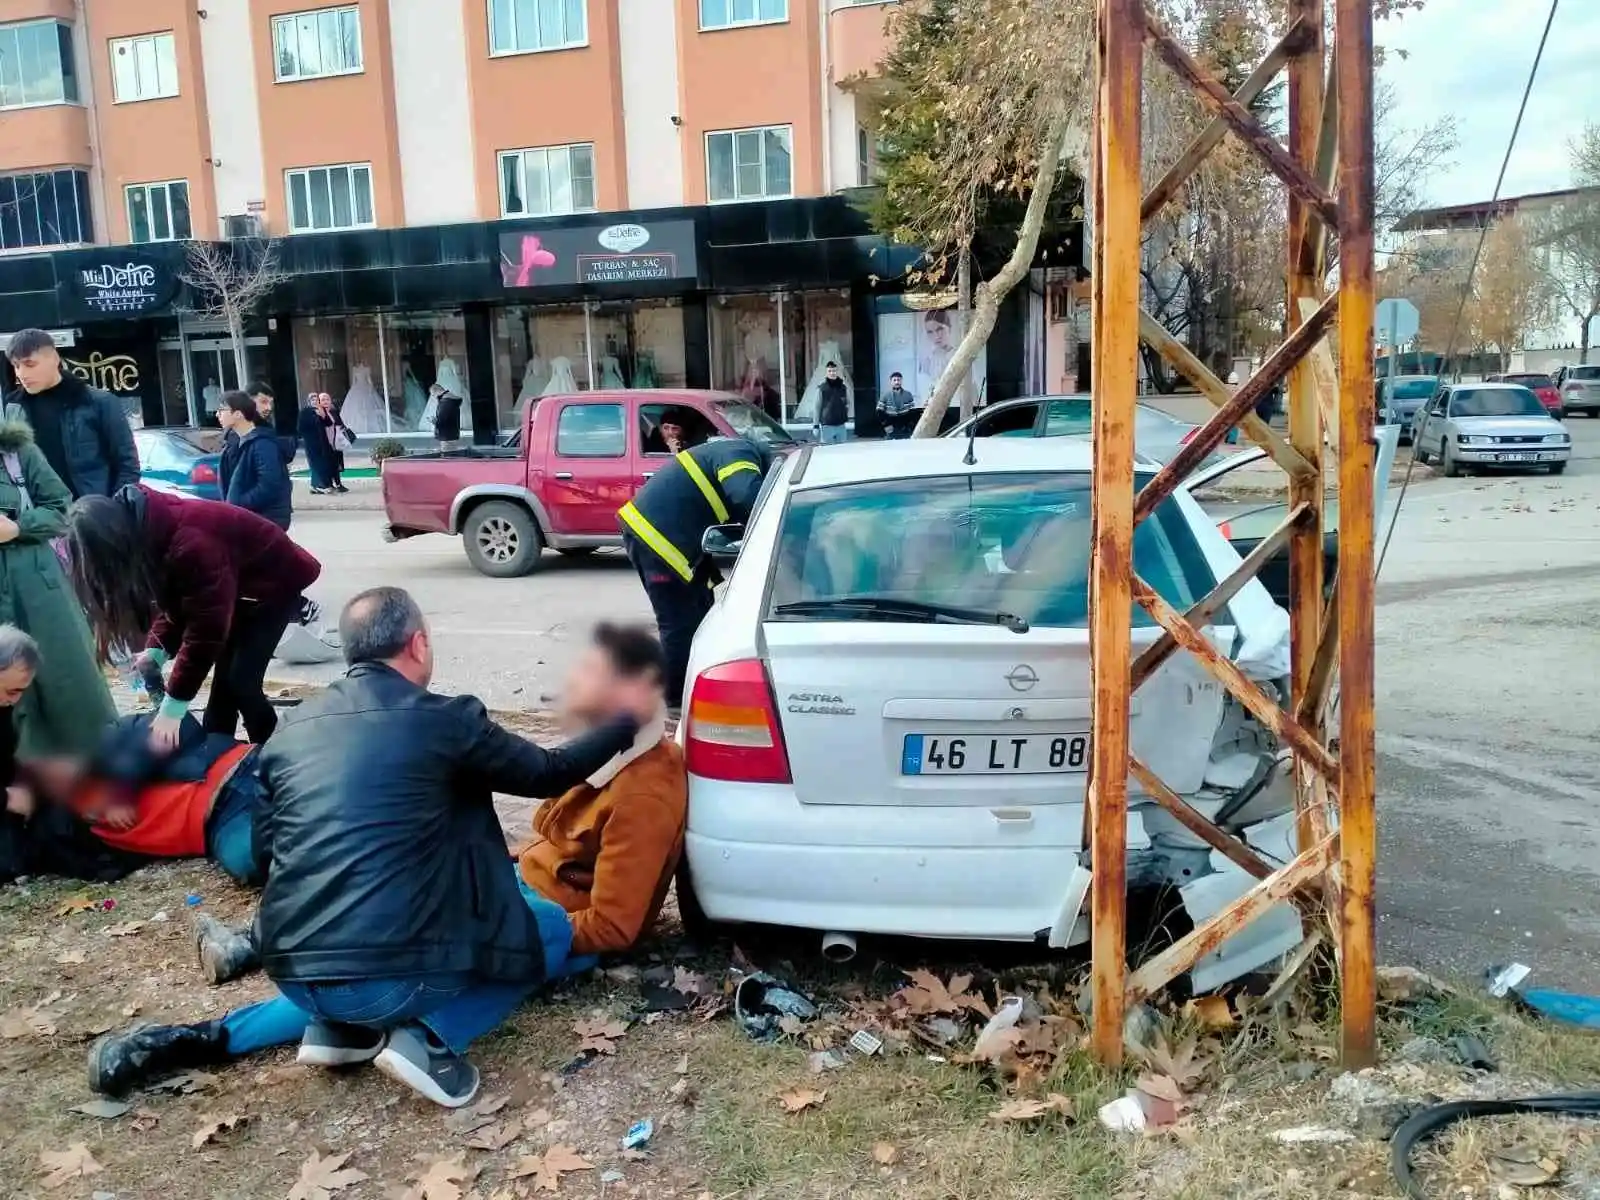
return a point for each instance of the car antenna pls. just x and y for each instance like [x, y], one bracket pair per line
[971, 459]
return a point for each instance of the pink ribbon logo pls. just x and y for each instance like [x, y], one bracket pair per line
[534, 256]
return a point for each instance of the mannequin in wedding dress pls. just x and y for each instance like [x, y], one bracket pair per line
[534, 377]
[611, 374]
[364, 410]
[416, 399]
[827, 353]
[561, 381]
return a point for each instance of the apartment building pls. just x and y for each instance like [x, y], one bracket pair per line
[505, 196]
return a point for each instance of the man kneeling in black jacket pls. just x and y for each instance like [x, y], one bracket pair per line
[394, 920]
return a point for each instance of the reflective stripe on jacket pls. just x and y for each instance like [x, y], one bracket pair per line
[712, 484]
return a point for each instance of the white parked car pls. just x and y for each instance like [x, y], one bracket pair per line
[887, 723]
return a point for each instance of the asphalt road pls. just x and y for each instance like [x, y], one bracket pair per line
[1488, 689]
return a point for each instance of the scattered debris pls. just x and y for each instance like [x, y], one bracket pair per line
[213, 1127]
[993, 1036]
[144, 1120]
[61, 1167]
[1213, 1012]
[185, 1084]
[761, 1001]
[599, 1036]
[124, 929]
[822, 1061]
[1030, 1110]
[612, 1175]
[442, 1179]
[797, 1100]
[548, 1168]
[77, 904]
[885, 1154]
[1425, 1051]
[72, 958]
[928, 995]
[639, 1134]
[1523, 1166]
[476, 1116]
[320, 1177]
[26, 1022]
[1123, 1115]
[495, 1135]
[104, 1109]
[1312, 1134]
[864, 1042]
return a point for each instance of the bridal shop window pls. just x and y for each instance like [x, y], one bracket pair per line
[774, 350]
[547, 351]
[378, 367]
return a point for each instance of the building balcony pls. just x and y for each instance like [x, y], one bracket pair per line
[44, 135]
[858, 41]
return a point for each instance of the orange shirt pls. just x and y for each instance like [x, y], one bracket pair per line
[172, 816]
[607, 853]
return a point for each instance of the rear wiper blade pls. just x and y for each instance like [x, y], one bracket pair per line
[889, 606]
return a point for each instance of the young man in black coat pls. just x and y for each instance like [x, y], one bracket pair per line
[394, 921]
[82, 431]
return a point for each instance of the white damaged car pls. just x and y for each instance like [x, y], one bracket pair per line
[887, 721]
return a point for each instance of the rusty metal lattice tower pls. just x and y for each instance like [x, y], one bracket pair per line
[1330, 414]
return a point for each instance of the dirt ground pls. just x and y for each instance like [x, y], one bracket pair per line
[932, 1114]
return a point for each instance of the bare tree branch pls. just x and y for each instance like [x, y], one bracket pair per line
[228, 281]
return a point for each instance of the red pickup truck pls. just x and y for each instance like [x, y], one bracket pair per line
[557, 482]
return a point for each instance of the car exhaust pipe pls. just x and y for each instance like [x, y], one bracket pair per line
[838, 947]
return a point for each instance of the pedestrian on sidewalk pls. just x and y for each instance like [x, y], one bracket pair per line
[199, 586]
[81, 431]
[340, 438]
[253, 472]
[897, 409]
[69, 703]
[833, 407]
[319, 446]
[446, 416]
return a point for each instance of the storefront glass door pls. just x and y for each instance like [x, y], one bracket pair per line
[196, 369]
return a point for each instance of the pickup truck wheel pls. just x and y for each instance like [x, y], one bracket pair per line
[502, 539]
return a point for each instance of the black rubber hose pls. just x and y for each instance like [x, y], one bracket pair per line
[1425, 1124]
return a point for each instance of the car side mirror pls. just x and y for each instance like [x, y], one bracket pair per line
[721, 543]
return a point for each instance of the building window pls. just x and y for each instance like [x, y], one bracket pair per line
[315, 45]
[750, 164]
[324, 198]
[144, 68]
[45, 208]
[521, 26]
[159, 212]
[36, 64]
[724, 14]
[548, 182]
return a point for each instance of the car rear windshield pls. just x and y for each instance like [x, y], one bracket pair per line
[752, 423]
[1583, 372]
[1014, 543]
[1412, 389]
[1529, 381]
[1495, 402]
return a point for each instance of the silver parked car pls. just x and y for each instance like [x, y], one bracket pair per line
[1157, 435]
[1580, 388]
[1489, 425]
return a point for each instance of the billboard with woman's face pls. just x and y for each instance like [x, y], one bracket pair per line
[919, 345]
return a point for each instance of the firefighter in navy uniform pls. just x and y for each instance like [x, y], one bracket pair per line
[715, 483]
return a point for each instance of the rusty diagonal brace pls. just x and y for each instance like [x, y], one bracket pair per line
[1241, 121]
[1200, 615]
[1237, 851]
[1322, 664]
[1206, 439]
[1158, 197]
[1260, 705]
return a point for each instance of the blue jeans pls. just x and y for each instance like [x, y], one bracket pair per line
[230, 827]
[833, 435]
[457, 1008]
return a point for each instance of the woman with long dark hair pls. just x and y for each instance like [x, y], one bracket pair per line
[319, 446]
[208, 587]
[254, 473]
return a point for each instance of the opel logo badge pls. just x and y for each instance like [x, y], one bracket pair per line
[1022, 678]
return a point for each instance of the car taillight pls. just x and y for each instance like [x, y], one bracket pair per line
[202, 473]
[1225, 529]
[733, 729]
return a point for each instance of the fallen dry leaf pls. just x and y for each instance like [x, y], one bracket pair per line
[144, 1120]
[212, 1127]
[26, 1022]
[476, 1116]
[689, 983]
[1178, 1062]
[799, 1099]
[1523, 1166]
[1162, 1087]
[791, 1026]
[683, 1092]
[441, 1179]
[496, 1136]
[185, 1084]
[74, 904]
[125, 929]
[548, 1168]
[538, 1119]
[1213, 1012]
[929, 995]
[1031, 1110]
[884, 1154]
[321, 1177]
[104, 1109]
[63, 1166]
[72, 958]
[599, 1035]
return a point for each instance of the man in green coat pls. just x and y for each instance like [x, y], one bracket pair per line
[69, 705]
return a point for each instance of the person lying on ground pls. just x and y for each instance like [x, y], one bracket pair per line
[607, 848]
[197, 802]
[393, 921]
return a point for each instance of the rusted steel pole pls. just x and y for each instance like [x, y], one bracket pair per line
[1305, 415]
[1115, 385]
[1358, 827]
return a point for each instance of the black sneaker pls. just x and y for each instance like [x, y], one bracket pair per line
[328, 1044]
[225, 954]
[310, 611]
[121, 1062]
[316, 491]
[416, 1058]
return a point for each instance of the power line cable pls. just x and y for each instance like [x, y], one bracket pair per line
[1466, 288]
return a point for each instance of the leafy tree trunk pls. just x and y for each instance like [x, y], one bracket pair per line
[1583, 341]
[986, 309]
